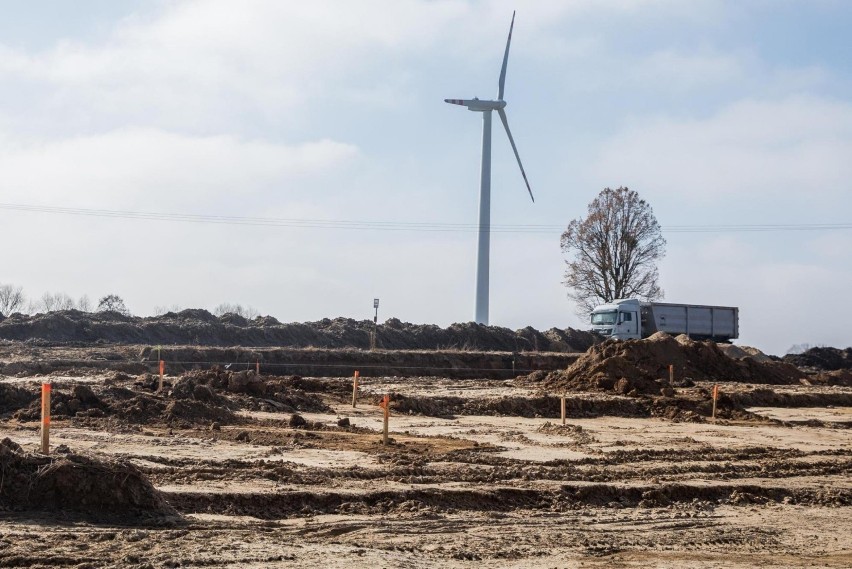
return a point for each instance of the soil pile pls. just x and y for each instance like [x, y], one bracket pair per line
[841, 377]
[280, 394]
[199, 327]
[126, 405]
[743, 352]
[641, 367]
[199, 396]
[72, 483]
[828, 359]
[13, 398]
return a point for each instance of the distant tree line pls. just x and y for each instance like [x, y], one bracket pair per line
[13, 299]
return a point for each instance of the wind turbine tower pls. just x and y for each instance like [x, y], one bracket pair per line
[486, 107]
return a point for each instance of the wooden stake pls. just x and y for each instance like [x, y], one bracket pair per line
[715, 397]
[563, 409]
[385, 404]
[257, 368]
[671, 374]
[45, 418]
[162, 369]
[355, 390]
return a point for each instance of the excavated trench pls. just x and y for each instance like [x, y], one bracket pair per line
[457, 364]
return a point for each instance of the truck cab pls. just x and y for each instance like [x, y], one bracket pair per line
[619, 319]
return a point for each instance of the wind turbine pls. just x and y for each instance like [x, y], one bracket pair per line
[485, 107]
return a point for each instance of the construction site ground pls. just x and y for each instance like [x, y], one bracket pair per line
[277, 471]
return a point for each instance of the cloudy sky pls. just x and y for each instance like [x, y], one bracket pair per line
[328, 118]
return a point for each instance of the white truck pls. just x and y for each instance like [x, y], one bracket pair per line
[628, 319]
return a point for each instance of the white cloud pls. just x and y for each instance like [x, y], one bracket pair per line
[166, 171]
[205, 64]
[215, 65]
[749, 148]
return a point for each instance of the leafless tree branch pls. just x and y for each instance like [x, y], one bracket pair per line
[615, 250]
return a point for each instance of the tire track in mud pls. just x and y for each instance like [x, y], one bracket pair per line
[529, 534]
[422, 474]
[409, 539]
[568, 497]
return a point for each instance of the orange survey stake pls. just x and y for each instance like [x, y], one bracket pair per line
[45, 418]
[162, 369]
[45, 403]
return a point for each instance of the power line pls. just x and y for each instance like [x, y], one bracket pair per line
[764, 227]
[395, 225]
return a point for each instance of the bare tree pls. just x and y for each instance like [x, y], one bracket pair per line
[615, 251]
[64, 302]
[84, 304]
[160, 310]
[112, 303]
[12, 299]
[50, 302]
[47, 303]
[246, 312]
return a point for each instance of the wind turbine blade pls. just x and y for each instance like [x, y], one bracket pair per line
[515, 149]
[502, 83]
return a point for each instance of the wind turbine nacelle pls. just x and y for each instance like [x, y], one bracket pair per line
[477, 105]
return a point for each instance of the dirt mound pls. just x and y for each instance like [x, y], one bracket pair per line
[214, 379]
[81, 401]
[199, 327]
[199, 396]
[13, 398]
[78, 484]
[267, 393]
[841, 377]
[641, 367]
[129, 406]
[828, 359]
[743, 352]
[539, 406]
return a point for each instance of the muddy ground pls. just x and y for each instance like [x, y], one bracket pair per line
[228, 468]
